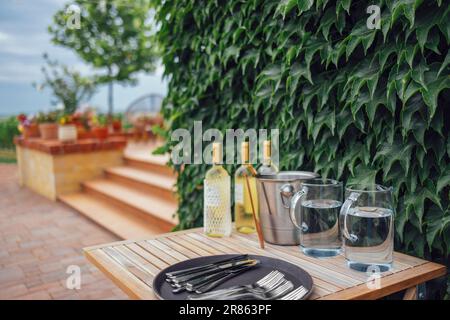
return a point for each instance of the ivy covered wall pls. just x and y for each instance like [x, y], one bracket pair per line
[352, 103]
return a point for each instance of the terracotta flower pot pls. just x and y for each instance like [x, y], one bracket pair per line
[101, 133]
[83, 133]
[117, 126]
[67, 133]
[31, 131]
[49, 131]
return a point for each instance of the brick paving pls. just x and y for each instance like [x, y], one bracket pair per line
[39, 239]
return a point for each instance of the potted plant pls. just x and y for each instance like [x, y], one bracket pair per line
[82, 119]
[100, 126]
[28, 126]
[116, 122]
[67, 130]
[48, 126]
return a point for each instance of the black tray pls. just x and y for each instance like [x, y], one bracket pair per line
[297, 275]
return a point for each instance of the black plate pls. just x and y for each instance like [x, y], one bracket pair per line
[297, 275]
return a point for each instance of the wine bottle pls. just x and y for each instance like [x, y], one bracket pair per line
[243, 210]
[267, 166]
[217, 202]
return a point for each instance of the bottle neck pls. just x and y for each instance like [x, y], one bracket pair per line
[267, 153]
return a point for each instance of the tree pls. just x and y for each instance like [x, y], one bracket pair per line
[114, 36]
[68, 86]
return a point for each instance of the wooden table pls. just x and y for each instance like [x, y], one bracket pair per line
[133, 264]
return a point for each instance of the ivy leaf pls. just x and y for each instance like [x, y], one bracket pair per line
[445, 63]
[359, 34]
[292, 53]
[252, 56]
[388, 154]
[384, 55]
[430, 95]
[311, 48]
[231, 52]
[418, 130]
[418, 74]
[363, 175]
[436, 220]
[304, 5]
[300, 70]
[377, 99]
[326, 22]
[406, 115]
[385, 24]
[433, 43]
[405, 7]
[412, 89]
[344, 4]
[270, 73]
[343, 121]
[424, 25]
[444, 180]
[286, 7]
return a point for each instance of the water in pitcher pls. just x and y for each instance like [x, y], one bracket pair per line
[371, 238]
[320, 227]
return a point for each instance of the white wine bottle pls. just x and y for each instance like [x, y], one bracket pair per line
[267, 166]
[243, 210]
[217, 200]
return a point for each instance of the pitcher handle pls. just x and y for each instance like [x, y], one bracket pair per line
[344, 211]
[295, 198]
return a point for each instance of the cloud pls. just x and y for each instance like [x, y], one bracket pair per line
[3, 37]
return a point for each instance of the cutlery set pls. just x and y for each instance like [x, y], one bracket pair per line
[200, 280]
[204, 278]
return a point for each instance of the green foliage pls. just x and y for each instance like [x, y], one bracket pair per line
[48, 117]
[68, 86]
[351, 103]
[100, 120]
[115, 37]
[8, 129]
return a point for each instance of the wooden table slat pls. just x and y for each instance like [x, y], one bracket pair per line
[175, 246]
[162, 246]
[128, 282]
[155, 252]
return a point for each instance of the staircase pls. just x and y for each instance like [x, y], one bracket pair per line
[133, 200]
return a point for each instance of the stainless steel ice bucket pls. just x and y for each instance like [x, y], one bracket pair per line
[274, 192]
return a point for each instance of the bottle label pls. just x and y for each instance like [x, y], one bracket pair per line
[238, 193]
[212, 194]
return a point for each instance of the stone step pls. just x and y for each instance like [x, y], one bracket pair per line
[147, 205]
[111, 217]
[138, 178]
[149, 162]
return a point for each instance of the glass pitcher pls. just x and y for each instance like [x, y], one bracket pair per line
[367, 227]
[320, 203]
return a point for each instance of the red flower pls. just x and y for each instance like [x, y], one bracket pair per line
[21, 117]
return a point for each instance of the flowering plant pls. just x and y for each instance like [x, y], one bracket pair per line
[66, 119]
[25, 121]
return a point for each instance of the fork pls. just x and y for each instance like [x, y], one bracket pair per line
[277, 291]
[297, 294]
[263, 284]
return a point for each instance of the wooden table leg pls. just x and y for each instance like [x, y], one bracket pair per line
[415, 293]
[410, 294]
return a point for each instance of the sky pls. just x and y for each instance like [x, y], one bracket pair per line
[23, 40]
